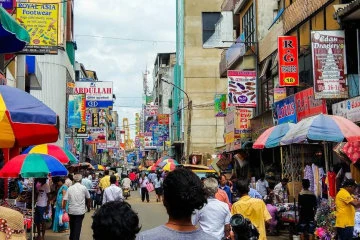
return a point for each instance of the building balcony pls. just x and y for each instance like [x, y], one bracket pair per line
[228, 5]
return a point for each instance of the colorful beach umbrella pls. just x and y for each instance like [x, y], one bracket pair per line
[33, 165]
[152, 168]
[25, 120]
[272, 136]
[170, 166]
[63, 155]
[163, 163]
[322, 127]
[100, 167]
[13, 37]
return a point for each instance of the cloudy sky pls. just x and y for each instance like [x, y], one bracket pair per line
[119, 39]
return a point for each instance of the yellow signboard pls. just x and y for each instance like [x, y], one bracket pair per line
[41, 21]
[229, 137]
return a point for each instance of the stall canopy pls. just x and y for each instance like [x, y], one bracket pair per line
[272, 136]
[13, 37]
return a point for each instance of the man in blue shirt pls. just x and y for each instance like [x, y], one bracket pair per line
[225, 187]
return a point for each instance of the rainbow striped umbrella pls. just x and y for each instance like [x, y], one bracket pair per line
[33, 165]
[63, 155]
[25, 120]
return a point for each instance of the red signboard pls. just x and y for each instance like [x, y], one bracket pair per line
[307, 105]
[288, 61]
[163, 119]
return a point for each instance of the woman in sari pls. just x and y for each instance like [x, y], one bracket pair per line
[59, 206]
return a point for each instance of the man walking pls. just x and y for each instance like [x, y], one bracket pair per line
[77, 196]
[214, 217]
[345, 210]
[113, 192]
[252, 208]
[262, 186]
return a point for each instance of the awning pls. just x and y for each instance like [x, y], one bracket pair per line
[13, 37]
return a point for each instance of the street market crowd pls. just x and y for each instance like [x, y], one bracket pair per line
[207, 208]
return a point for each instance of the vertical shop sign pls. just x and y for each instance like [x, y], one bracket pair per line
[329, 64]
[95, 120]
[242, 123]
[241, 88]
[285, 110]
[76, 110]
[307, 105]
[230, 121]
[288, 61]
[41, 22]
[220, 105]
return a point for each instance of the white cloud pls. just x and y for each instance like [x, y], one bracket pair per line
[121, 61]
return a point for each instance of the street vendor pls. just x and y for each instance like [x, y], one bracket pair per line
[345, 210]
[281, 192]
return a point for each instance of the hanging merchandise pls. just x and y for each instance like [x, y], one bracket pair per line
[331, 182]
[352, 151]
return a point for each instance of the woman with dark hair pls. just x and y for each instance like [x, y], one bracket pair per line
[115, 220]
[183, 193]
[158, 182]
[60, 205]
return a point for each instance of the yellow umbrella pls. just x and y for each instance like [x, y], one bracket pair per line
[170, 166]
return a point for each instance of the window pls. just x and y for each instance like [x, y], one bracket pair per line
[248, 25]
[267, 94]
[209, 19]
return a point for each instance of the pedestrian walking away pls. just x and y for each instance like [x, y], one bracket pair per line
[144, 192]
[113, 192]
[77, 196]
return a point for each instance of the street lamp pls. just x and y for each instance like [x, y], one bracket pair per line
[189, 107]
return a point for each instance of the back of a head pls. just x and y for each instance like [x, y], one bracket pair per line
[305, 184]
[183, 193]
[106, 172]
[115, 220]
[242, 187]
[112, 179]
[77, 177]
[210, 187]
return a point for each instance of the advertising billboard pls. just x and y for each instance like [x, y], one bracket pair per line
[241, 88]
[329, 64]
[288, 61]
[307, 105]
[220, 105]
[285, 110]
[98, 94]
[41, 22]
[96, 135]
[76, 110]
[349, 109]
[151, 110]
[163, 119]
[242, 123]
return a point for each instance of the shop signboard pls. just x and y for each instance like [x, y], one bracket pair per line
[76, 110]
[96, 135]
[160, 135]
[95, 119]
[112, 144]
[329, 64]
[288, 61]
[151, 110]
[41, 22]
[230, 120]
[279, 94]
[241, 88]
[307, 105]
[163, 119]
[98, 94]
[229, 137]
[7, 4]
[101, 145]
[149, 125]
[220, 105]
[349, 109]
[148, 142]
[242, 123]
[285, 110]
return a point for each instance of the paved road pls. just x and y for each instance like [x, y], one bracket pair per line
[151, 214]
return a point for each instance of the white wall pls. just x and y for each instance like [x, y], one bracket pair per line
[54, 70]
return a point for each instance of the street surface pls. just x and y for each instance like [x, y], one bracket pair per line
[151, 215]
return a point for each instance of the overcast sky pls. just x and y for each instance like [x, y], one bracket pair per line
[124, 61]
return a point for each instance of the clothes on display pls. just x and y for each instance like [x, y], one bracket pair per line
[331, 182]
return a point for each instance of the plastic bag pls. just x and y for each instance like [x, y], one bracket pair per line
[47, 216]
[65, 217]
[60, 218]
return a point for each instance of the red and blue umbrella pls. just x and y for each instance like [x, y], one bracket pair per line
[33, 166]
[272, 136]
[322, 127]
[63, 155]
[25, 120]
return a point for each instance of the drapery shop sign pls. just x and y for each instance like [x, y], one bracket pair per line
[329, 65]
[349, 109]
[98, 94]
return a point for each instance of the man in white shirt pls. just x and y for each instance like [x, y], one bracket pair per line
[42, 205]
[113, 192]
[262, 186]
[214, 217]
[281, 191]
[77, 196]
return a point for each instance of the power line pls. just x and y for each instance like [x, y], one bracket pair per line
[125, 39]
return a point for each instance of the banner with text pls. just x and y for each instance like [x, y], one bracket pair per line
[242, 123]
[41, 22]
[307, 105]
[96, 135]
[329, 64]
[98, 94]
[241, 88]
[285, 110]
[349, 109]
[220, 105]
